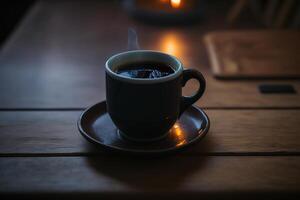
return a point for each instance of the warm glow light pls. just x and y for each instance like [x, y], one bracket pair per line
[175, 3]
[180, 143]
[179, 135]
[173, 43]
[170, 47]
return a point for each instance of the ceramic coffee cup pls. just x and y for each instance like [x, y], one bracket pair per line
[145, 109]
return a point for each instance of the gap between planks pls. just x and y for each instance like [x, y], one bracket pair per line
[204, 108]
[265, 154]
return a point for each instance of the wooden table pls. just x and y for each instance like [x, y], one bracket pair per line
[52, 67]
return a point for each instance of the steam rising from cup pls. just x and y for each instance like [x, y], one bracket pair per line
[133, 43]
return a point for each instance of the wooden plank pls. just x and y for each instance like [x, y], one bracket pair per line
[254, 54]
[41, 132]
[244, 94]
[254, 132]
[177, 177]
[56, 58]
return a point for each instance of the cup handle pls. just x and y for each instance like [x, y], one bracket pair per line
[188, 101]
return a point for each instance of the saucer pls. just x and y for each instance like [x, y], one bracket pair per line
[97, 127]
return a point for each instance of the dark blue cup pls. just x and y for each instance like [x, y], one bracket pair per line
[146, 109]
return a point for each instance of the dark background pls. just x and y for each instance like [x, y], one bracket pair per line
[11, 12]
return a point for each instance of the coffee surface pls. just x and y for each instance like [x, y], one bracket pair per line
[147, 70]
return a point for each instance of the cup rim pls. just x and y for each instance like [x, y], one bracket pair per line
[178, 70]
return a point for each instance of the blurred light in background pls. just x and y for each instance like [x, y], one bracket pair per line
[173, 44]
[175, 3]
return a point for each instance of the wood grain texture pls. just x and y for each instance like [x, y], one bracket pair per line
[245, 132]
[55, 59]
[244, 94]
[244, 54]
[177, 177]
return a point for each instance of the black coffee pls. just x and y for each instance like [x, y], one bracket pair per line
[148, 70]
